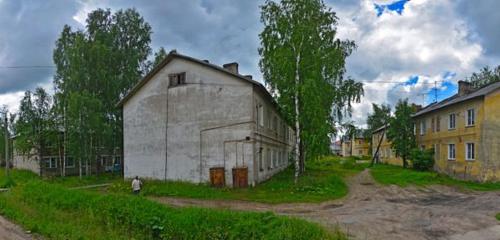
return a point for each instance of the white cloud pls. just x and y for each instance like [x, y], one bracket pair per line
[428, 39]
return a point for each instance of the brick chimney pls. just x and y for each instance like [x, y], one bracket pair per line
[232, 67]
[464, 88]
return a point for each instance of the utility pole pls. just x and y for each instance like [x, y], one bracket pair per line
[6, 126]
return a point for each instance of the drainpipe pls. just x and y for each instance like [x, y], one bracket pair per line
[213, 128]
[166, 136]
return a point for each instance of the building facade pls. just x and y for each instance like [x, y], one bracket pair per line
[464, 131]
[359, 147]
[385, 152]
[188, 116]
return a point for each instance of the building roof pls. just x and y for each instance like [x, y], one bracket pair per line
[458, 99]
[173, 55]
[380, 128]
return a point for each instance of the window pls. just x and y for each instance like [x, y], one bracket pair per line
[275, 158]
[422, 147]
[275, 124]
[360, 152]
[176, 79]
[433, 125]
[470, 151]
[268, 159]
[118, 159]
[261, 164]
[438, 123]
[70, 162]
[50, 162]
[451, 151]
[471, 117]
[260, 115]
[422, 127]
[451, 123]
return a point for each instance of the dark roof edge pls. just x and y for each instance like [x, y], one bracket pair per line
[172, 55]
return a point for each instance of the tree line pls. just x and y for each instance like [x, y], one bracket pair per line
[95, 67]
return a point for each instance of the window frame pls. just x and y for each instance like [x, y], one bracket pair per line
[471, 117]
[176, 79]
[454, 151]
[467, 158]
[454, 121]
[66, 162]
[422, 127]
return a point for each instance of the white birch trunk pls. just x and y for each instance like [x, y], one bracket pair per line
[297, 124]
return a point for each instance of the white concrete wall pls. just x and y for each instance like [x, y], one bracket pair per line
[25, 162]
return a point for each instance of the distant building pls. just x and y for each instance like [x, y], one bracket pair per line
[189, 116]
[464, 131]
[355, 146]
[385, 152]
[336, 147]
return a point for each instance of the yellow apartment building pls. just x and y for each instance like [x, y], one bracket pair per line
[360, 147]
[385, 152]
[464, 131]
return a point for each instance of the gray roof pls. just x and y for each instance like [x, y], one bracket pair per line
[458, 99]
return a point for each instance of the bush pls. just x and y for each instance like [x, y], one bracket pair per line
[423, 160]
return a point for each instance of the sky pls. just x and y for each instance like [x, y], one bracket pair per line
[415, 49]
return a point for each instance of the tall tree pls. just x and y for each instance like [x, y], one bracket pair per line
[400, 131]
[378, 118]
[99, 65]
[485, 76]
[304, 65]
[33, 126]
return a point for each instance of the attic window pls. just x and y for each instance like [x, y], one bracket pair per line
[176, 79]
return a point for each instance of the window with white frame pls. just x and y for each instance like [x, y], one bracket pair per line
[422, 127]
[452, 121]
[470, 151]
[70, 162]
[438, 123]
[471, 117]
[451, 151]
[50, 162]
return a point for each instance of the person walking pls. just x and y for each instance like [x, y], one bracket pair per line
[136, 185]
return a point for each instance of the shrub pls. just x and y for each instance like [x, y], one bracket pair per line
[423, 160]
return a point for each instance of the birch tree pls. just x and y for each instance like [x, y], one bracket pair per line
[303, 64]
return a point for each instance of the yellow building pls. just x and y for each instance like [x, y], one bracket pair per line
[385, 153]
[464, 131]
[360, 147]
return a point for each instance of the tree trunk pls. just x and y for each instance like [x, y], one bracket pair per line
[297, 116]
[405, 164]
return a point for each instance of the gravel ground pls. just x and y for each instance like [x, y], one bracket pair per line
[10, 231]
[372, 211]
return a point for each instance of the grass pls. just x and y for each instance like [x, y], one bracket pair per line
[323, 180]
[498, 216]
[49, 208]
[388, 174]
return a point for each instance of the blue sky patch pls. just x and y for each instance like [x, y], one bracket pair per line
[397, 6]
[411, 81]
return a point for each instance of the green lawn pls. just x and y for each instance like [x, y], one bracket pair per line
[323, 180]
[47, 207]
[388, 174]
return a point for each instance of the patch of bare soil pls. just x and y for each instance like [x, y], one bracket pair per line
[9, 230]
[372, 211]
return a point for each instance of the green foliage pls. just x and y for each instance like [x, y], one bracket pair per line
[422, 160]
[400, 131]
[322, 181]
[303, 61]
[34, 126]
[59, 213]
[388, 174]
[497, 216]
[484, 77]
[380, 117]
[95, 67]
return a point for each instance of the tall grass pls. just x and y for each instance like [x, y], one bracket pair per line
[388, 174]
[58, 213]
[323, 180]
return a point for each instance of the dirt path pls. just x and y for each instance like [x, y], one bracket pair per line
[371, 211]
[9, 230]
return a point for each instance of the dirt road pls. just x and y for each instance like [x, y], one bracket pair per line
[11, 231]
[371, 211]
